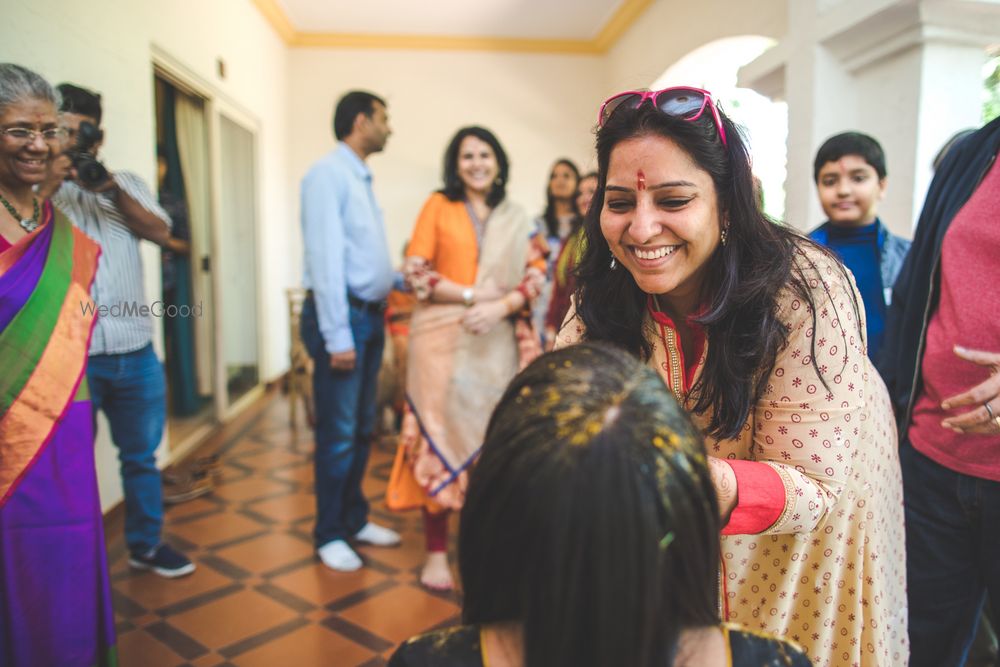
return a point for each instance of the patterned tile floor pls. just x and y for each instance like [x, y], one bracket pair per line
[260, 597]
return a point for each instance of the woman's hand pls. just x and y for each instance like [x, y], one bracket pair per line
[984, 418]
[724, 480]
[482, 317]
[488, 292]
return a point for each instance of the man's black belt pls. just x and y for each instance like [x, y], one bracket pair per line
[361, 304]
[370, 306]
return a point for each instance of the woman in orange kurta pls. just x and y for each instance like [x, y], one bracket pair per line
[475, 265]
[760, 334]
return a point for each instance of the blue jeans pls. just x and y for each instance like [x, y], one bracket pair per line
[131, 390]
[952, 553]
[345, 421]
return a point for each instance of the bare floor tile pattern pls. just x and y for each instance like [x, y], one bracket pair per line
[260, 597]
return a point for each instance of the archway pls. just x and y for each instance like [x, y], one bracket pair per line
[714, 67]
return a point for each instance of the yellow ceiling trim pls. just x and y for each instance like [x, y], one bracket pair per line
[441, 43]
[620, 21]
[276, 16]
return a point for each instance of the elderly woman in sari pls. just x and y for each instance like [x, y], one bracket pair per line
[475, 264]
[55, 602]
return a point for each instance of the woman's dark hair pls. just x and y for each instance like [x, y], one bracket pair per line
[743, 277]
[591, 518]
[453, 188]
[551, 222]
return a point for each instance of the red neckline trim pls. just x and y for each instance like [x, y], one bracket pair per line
[665, 320]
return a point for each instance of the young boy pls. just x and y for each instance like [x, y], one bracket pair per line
[850, 178]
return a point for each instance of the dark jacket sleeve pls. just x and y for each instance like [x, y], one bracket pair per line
[914, 295]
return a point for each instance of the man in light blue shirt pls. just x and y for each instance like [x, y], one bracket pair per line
[348, 273]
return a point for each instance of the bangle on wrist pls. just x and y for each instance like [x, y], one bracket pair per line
[508, 306]
[468, 296]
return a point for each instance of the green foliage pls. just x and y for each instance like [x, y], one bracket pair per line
[991, 87]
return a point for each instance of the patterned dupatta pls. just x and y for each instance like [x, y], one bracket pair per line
[454, 378]
[46, 317]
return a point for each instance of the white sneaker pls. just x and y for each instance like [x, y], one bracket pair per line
[337, 555]
[377, 535]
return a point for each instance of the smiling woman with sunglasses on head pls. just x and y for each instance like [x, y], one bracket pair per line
[760, 334]
[55, 597]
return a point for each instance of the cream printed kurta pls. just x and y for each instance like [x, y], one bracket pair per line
[829, 572]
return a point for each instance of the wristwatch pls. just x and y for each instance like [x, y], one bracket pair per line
[468, 296]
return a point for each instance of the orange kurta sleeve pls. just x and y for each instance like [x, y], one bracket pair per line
[423, 240]
[444, 236]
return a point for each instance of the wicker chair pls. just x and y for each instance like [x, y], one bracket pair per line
[301, 364]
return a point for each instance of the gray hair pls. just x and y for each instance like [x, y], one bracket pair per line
[18, 84]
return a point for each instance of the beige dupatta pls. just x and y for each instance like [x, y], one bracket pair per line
[454, 378]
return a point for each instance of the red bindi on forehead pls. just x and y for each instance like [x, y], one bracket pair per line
[640, 180]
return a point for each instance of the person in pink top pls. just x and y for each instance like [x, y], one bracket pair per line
[942, 368]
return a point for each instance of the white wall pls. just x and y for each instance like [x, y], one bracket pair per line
[541, 107]
[893, 121]
[107, 45]
[670, 29]
[906, 72]
[950, 72]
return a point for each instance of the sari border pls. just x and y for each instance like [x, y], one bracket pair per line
[52, 432]
[427, 436]
[27, 335]
[454, 473]
[86, 254]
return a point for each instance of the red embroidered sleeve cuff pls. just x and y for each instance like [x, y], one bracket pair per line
[761, 498]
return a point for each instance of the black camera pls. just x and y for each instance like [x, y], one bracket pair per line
[90, 172]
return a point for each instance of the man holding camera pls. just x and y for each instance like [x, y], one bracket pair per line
[125, 377]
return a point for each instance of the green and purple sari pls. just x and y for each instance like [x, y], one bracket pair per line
[55, 597]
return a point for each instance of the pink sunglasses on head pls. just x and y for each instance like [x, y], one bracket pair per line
[680, 102]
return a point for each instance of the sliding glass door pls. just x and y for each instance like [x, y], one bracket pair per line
[237, 267]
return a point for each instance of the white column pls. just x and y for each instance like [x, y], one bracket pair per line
[950, 99]
[907, 72]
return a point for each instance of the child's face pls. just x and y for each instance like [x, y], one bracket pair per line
[849, 191]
